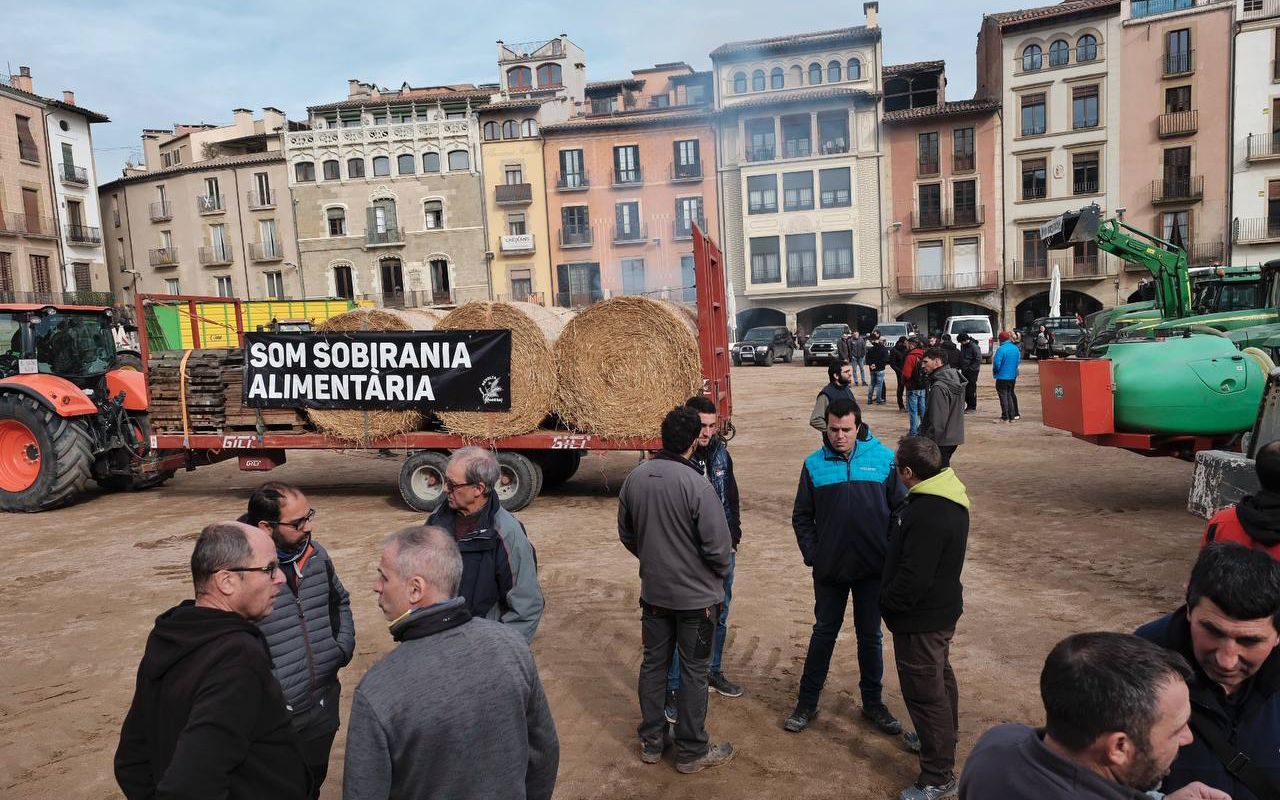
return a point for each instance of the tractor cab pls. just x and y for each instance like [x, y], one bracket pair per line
[72, 342]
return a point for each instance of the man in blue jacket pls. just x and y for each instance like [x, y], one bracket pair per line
[1004, 368]
[1228, 632]
[847, 496]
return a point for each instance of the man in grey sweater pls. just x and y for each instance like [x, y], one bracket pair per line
[456, 711]
[670, 518]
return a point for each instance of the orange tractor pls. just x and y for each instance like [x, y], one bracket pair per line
[71, 408]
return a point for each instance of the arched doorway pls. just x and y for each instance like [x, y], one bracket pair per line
[1037, 305]
[860, 318]
[391, 280]
[930, 317]
[758, 318]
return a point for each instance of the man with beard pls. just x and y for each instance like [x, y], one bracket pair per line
[944, 410]
[1116, 712]
[1228, 631]
[839, 380]
[1255, 521]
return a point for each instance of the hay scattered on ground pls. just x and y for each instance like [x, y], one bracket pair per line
[623, 364]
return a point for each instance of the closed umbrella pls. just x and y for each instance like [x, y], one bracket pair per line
[1055, 293]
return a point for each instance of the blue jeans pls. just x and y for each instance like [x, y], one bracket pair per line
[829, 603]
[876, 392]
[916, 399]
[859, 365]
[722, 628]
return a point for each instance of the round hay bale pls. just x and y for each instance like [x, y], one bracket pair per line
[363, 426]
[623, 364]
[418, 319]
[533, 372]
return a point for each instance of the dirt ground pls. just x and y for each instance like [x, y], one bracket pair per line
[1065, 537]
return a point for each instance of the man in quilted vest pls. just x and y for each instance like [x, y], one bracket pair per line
[1255, 521]
[310, 630]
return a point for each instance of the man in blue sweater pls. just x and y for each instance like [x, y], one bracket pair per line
[1004, 368]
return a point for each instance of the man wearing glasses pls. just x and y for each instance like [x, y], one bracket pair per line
[499, 565]
[208, 718]
[310, 629]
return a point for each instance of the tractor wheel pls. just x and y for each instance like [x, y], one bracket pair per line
[422, 480]
[44, 458]
[140, 432]
[520, 480]
[558, 466]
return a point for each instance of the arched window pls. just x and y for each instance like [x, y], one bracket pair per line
[459, 161]
[1031, 58]
[355, 167]
[529, 127]
[777, 79]
[797, 75]
[433, 211]
[519, 78]
[853, 70]
[337, 219]
[757, 81]
[381, 166]
[430, 162]
[548, 75]
[304, 171]
[330, 170]
[490, 131]
[739, 83]
[815, 73]
[833, 72]
[1087, 48]
[405, 164]
[510, 130]
[1059, 53]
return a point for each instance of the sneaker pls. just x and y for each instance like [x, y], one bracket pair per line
[883, 719]
[669, 708]
[917, 792]
[719, 684]
[1015, 418]
[716, 755]
[911, 740]
[650, 754]
[799, 719]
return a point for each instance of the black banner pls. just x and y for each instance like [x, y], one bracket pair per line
[423, 370]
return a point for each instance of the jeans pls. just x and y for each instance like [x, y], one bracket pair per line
[664, 633]
[829, 603]
[876, 393]
[859, 364]
[722, 628]
[916, 400]
[971, 389]
[1008, 400]
[897, 375]
[932, 698]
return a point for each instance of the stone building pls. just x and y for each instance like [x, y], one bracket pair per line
[1255, 137]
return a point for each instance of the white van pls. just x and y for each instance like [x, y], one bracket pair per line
[891, 332]
[978, 326]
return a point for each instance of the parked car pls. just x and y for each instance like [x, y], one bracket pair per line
[821, 345]
[1066, 331]
[978, 326]
[891, 332]
[763, 346]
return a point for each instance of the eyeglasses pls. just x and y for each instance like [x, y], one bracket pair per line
[300, 521]
[270, 569]
[451, 487]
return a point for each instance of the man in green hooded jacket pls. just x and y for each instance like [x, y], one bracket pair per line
[921, 600]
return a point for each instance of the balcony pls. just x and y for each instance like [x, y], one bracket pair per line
[927, 167]
[963, 282]
[1179, 62]
[210, 204]
[683, 229]
[517, 243]
[798, 148]
[513, 194]
[686, 173]
[1263, 146]
[627, 177]
[161, 211]
[83, 234]
[1183, 189]
[71, 174]
[963, 162]
[760, 153]
[387, 238]
[38, 227]
[258, 200]
[266, 251]
[927, 220]
[634, 234]
[1202, 254]
[1255, 230]
[937, 219]
[572, 181]
[1177, 123]
[215, 256]
[1069, 268]
[575, 238]
[11, 224]
[163, 257]
[833, 147]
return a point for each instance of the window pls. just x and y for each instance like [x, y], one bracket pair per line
[757, 81]
[1177, 52]
[1033, 118]
[833, 132]
[795, 136]
[6, 272]
[381, 166]
[930, 202]
[765, 266]
[40, 274]
[1059, 53]
[337, 218]
[521, 284]
[605, 105]
[343, 285]
[516, 225]
[304, 172]
[275, 284]
[1084, 258]
[626, 164]
[519, 78]
[529, 127]
[815, 74]
[331, 172]
[392, 274]
[513, 174]
[796, 75]
[627, 219]
[1035, 256]
[760, 139]
[927, 162]
[739, 83]
[762, 194]
[405, 164]
[1086, 48]
[833, 72]
[1031, 58]
[223, 287]
[689, 213]
[572, 174]
[549, 75]
[1084, 173]
[853, 70]
[1177, 172]
[802, 259]
[1174, 227]
[964, 202]
[837, 255]
[962, 150]
[382, 224]
[688, 160]
[1178, 98]
[688, 279]
[433, 211]
[797, 191]
[172, 286]
[1034, 179]
[929, 265]
[633, 276]
[355, 167]
[490, 131]
[459, 161]
[578, 284]
[777, 79]
[166, 240]
[1084, 107]
[27, 150]
[430, 162]
[510, 130]
[833, 186]
[577, 227]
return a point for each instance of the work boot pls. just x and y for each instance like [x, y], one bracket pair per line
[883, 719]
[716, 755]
[799, 719]
[918, 792]
[650, 753]
[719, 684]
[669, 708]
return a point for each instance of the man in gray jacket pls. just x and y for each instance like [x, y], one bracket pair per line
[944, 413]
[456, 711]
[670, 518]
[309, 631]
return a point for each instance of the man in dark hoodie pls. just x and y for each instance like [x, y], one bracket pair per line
[877, 360]
[952, 351]
[1255, 520]
[970, 366]
[208, 718]
[944, 412]
[897, 357]
[921, 600]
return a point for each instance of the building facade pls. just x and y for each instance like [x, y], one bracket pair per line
[388, 197]
[207, 213]
[802, 177]
[1255, 156]
[75, 193]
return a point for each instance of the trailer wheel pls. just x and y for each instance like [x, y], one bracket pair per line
[520, 480]
[422, 480]
[44, 458]
[558, 466]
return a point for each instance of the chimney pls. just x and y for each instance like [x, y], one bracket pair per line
[353, 87]
[243, 118]
[22, 80]
[68, 97]
[871, 9]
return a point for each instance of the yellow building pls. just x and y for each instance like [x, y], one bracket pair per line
[516, 201]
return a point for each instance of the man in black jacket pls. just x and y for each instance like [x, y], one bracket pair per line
[921, 600]
[970, 366]
[953, 352]
[877, 360]
[208, 718]
[898, 356]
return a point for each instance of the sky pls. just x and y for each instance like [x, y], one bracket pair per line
[151, 64]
